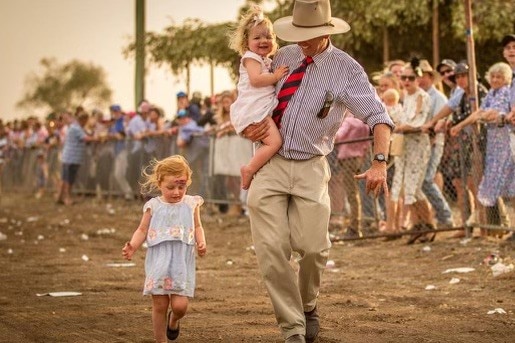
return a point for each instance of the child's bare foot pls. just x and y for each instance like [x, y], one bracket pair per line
[246, 177]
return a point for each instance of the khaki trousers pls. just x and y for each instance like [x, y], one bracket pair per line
[289, 210]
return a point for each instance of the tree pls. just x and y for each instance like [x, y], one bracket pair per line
[406, 27]
[381, 30]
[193, 42]
[62, 86]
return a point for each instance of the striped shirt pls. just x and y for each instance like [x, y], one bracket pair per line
[304, 134]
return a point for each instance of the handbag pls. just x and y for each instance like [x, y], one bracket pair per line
[397, 144]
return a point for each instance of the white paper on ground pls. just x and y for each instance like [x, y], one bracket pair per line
[497, 310]
[459, 270]
[59, 294]
[122, 264]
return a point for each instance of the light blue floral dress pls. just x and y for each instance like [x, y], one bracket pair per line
[499, 167]
[170, 259]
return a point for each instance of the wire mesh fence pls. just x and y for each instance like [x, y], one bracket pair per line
[459, 168]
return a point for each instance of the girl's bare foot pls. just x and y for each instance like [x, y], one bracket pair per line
[246, 177]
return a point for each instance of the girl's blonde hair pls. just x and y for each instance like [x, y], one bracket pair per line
[391, 93]
[500, 68]
[175, 165]
[239, 38]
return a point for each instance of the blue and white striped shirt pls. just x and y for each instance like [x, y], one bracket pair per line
[304, 134]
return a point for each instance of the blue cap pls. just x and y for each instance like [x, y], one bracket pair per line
[115, 108]
[182, 113]
[181, 94]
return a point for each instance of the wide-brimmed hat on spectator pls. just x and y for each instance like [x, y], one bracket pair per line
[310, 19]
[426, 68]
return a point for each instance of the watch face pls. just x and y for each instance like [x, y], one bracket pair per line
[380, 157]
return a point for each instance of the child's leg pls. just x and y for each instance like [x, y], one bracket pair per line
[159, 308]
[179, 306]
[271, 145]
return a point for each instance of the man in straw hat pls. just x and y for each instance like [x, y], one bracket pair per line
[288, 198]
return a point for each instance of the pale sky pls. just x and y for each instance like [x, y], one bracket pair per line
[96, 31]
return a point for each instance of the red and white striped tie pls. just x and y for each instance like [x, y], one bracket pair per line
[288, 89]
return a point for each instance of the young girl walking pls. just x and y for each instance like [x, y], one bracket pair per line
[172, 229]
[254, 40]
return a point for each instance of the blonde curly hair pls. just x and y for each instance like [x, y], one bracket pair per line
[239, 38]
[154, 173]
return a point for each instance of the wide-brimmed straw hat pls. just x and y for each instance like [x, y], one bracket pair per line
[310, 19]
[425, 66]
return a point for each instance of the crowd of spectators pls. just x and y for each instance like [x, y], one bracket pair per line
[443, 151]
[123, 142]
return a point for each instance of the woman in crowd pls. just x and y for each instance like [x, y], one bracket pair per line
[499, 167]
[411, 165]
[231, 152]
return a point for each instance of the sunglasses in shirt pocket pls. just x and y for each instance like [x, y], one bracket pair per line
[328, 102]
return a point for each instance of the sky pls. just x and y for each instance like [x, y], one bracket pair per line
[96, 31]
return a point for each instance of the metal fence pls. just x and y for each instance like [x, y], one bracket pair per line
[216, 176]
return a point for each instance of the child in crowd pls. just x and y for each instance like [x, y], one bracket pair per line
[255, 41]
[391, 99]
[172, 229]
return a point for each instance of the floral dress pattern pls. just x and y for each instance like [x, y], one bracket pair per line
[499, 170]
[411, 166]
[170, 258]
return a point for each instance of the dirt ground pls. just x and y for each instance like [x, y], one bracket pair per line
[375, 292]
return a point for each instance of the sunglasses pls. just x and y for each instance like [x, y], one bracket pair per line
[410, 77]
[446, 71]
[328, 101]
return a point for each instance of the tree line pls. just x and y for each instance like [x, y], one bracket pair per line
[381, 30]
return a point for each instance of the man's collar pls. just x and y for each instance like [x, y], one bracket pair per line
[321, 57]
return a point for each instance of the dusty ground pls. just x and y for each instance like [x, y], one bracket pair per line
[374, 293]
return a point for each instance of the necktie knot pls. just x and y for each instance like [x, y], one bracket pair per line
[308, 60]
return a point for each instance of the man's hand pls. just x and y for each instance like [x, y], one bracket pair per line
[258, 131]
[375, 179]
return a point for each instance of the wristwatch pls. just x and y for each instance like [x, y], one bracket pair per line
[380, 158]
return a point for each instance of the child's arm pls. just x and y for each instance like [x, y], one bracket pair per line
[199, 234]
[259, 79]
[138, 237]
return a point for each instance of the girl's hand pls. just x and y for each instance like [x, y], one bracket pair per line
[201, 248]
[280, 72]
[128, 251]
